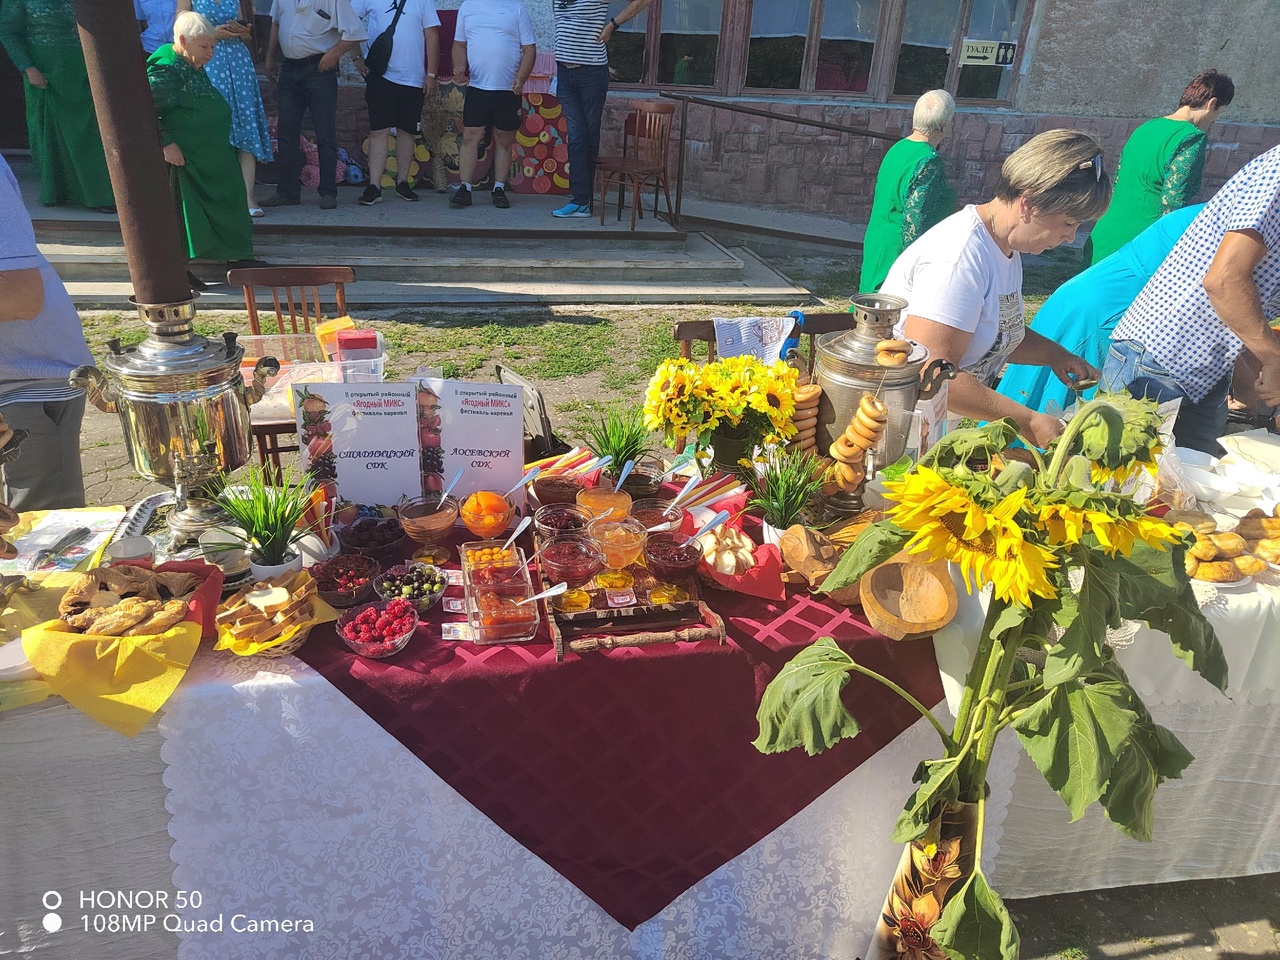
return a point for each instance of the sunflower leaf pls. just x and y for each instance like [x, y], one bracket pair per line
[873, 546]
[975, 924]
[801, 706]
[1079, 650]
[1154, 590]
[1150, 756]
[1073, 735]
[938, 781]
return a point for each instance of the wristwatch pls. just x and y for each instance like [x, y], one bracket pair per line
[431, 75]
[614, 22]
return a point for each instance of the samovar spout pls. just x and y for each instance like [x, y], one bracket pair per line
[100, 391]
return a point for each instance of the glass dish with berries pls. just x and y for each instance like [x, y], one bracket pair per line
[345, 580]
[378, 630]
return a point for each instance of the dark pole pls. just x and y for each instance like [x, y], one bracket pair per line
[131, 137]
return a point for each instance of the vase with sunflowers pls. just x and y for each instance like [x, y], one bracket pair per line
[732, 405]
[1042, 667]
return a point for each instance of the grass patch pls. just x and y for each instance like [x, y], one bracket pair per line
[1073, 953]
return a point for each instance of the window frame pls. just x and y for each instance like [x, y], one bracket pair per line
[734, 49]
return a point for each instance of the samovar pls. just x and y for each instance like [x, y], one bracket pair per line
[183, 406]
[846, 369]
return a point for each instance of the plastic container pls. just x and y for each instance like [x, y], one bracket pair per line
[360, 345]
[277, 402]
[326, 334]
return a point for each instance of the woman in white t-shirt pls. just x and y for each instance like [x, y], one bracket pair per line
[962, 279]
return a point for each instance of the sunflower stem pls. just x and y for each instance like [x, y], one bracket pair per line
[947, 742]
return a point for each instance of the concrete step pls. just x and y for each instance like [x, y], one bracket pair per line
[702, 260]
[754, 283]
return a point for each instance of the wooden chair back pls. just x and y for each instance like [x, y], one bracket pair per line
[647, 133]
[811, 325]
[295, 294]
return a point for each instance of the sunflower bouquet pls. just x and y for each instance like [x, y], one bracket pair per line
[753, 399]
[1066, 555]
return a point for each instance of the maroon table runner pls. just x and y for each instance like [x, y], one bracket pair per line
[630, 772]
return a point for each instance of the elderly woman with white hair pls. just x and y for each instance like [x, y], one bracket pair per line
[195, 128]
[912, 193]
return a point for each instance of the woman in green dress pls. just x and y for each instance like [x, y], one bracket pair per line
[195, 128]
[912, 193]
[42, 41]
[1160, 166]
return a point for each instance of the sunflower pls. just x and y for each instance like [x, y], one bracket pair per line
[1116, 522]
[987, 544]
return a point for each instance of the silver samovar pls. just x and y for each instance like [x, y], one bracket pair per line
[183, 406]
[846, 369]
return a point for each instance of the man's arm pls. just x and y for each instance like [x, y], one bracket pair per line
[461, 70]
[21, 294]
[1234, 296]
[630, 11]
[527, 54]
[431, 37]
[273, 52]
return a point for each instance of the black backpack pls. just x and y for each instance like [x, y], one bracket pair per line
[379, 56]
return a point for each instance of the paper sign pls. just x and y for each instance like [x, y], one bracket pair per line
[474, 427]
[992, 53]
[363, 436]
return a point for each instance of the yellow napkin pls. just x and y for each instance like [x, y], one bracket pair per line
[321, 612]
[119, 681]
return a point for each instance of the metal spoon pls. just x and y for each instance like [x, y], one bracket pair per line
[622, 477]
[533, 472]
[452, 483]
[521, 527]
[686, 489]
[555, 591]
[711, 524]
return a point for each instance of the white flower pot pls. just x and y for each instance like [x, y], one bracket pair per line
[267, 571]
[770, 534]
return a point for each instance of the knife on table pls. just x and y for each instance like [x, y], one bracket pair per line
[71, 538]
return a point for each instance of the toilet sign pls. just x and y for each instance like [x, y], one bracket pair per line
[990, 53]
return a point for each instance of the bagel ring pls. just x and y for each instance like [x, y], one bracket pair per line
[842, 450]
[807, 392]
[891, 358]
[857, 433]
[874, 407]
[896, 346]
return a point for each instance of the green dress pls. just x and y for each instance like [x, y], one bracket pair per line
[912, 194]
[209, 187]
[1159, 172]
[62, 127]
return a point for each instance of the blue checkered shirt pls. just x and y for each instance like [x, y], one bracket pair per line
[1172, 317]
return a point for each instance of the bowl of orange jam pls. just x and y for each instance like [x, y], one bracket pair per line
[487, 514]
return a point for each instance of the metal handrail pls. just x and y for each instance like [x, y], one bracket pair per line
[687, 100]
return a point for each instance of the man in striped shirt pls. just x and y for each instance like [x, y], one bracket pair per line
[41, 342]
[583, 27]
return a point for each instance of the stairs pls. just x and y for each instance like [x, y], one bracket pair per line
[409, 254]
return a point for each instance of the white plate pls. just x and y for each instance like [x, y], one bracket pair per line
[14, 664]
[1233, 585]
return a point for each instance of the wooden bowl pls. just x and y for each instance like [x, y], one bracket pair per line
[906, 600]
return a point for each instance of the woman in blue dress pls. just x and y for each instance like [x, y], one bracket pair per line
[232, 73]
[1082, 312]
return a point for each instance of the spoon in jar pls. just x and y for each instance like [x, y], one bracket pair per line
[622, 477]
[521, 527]
[452, 483]
[547, 594]
[533, 473]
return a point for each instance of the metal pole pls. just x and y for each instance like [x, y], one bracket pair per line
[131, 139]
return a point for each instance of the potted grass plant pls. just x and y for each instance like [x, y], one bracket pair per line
[782, 486]
[619, 431]
[269, 516]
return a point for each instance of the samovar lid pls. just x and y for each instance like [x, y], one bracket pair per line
[874, 316]
[173, 348]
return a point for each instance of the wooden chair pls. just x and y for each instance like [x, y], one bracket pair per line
[295, 293]
[813, 325]
[646, 145]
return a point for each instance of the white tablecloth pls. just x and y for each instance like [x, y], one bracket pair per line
[1222, 819]
[286, 801]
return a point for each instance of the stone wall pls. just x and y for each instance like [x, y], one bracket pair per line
[737, 158]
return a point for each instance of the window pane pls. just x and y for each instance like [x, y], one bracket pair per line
[776, 54]
[848, 40]
[626, 46]
[689, 42]
[927, 29]
[990, 20]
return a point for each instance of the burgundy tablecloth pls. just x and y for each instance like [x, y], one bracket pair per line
[630, 772]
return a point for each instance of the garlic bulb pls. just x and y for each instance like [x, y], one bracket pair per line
[728, 550]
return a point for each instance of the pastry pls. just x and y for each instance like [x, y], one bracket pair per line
[1190, 564]
[170, 614]
[1268, 550]
[1249, 565]
[1230, 545]
[1259, 528]
[114, 621]
[1198, 521]
[1203, 549]
[1219, 571]
[844, 451]
[891, 358]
